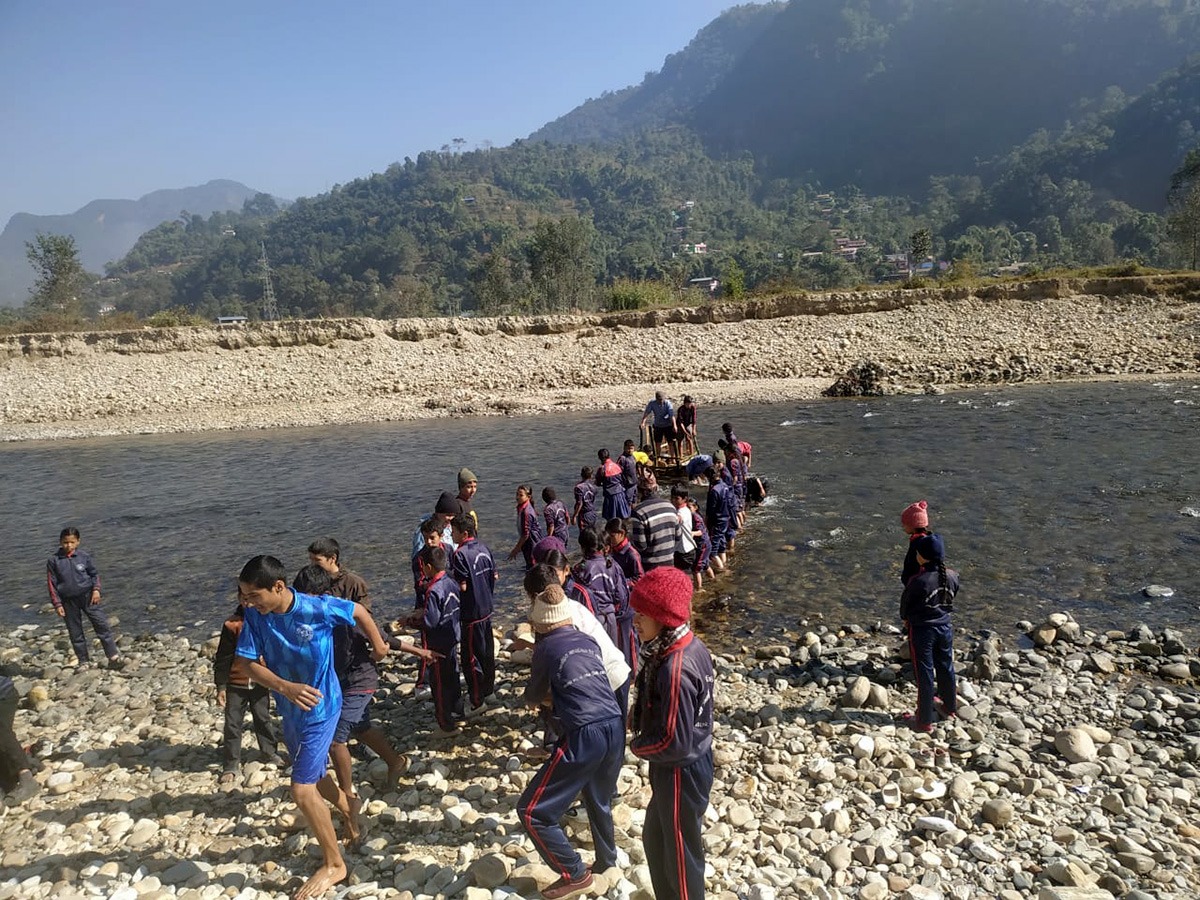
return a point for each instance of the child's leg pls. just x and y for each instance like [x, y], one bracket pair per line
[602, 786]
[309, 747]
[544, 801]
[474, 648]
[264, 725]
[103, 631]
[485, 657]
[675, 851]
[920, 642]
[943, 664]
[446, 689]
[73, 613]
[13, 760]
[236, 699]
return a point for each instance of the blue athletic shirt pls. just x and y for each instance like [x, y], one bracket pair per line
[297, 645]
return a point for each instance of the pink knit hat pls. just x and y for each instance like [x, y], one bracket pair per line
[665, 595]
[915, 516]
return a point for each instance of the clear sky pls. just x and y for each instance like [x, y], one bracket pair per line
[107, 100]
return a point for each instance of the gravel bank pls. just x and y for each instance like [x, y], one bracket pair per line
[1072, 765]
[311, 373]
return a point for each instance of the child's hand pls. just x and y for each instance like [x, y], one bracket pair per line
[61, 612]
[304, 696]
[427, 654]
[379, 651]
[221, 698]
[95, 598]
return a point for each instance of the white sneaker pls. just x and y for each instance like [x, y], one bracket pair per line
[423, 693]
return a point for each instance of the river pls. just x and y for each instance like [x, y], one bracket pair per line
[1068, 497]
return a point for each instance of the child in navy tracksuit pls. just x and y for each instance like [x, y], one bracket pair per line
[717, 516]
[567, 672]
[621, 551]
[703, 546]
[529, 529]
[915, 520]
[585, 500]
[611, 479]
[74, 586]
[608, 585]
[672, 725]
[556, 516]
[441, 629]
[474, 570]
[925, 607]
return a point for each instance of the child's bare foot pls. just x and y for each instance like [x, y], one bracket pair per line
[353, 832]
[398, 768]
[322, 880]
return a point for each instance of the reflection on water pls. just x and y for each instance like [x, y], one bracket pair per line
[1072, 497]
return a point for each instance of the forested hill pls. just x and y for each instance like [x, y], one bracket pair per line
[672, 93]
[884, 93]
[105, 230]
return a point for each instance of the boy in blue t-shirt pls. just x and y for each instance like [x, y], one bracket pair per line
[293, 634]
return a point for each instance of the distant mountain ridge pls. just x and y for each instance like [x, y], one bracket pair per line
[105, 230]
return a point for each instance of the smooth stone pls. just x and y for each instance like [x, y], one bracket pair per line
[1076, 745]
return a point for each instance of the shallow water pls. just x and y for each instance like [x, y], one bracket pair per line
[1049, 498]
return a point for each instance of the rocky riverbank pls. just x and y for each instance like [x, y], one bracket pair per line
[1074, 764]
[790, 347]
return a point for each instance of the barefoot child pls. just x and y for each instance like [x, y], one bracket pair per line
[74, 587]
[925, 607]
[292, 632]
[672, 725]
[567, 674]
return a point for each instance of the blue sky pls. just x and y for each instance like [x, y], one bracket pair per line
[101, 100]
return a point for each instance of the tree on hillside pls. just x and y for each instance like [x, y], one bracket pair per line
[1183, 219]
[560, 263]
[920, 244]
[61, 280]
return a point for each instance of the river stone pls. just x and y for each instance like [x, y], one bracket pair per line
[838, 857]
[1044, 635]
[878, 698]
[1178, 671]
[1076, 745]
[491, 870]
[1158, 591]
[858, 692]
[998, 812]
[1067, 872]
[1074, 893]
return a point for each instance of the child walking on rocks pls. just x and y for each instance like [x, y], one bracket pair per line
[672, 724]
[567, 673]
[474, 570]
[235, 694]
[292, 633]
[74, 586]
[925, 607]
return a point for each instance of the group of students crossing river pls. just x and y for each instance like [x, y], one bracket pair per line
[613, 660]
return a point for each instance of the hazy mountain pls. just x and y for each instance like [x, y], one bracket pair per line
[882, 94]
[665, 96]
[105, 230]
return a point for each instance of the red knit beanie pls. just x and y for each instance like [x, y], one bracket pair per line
[665, 595]
[915, 516]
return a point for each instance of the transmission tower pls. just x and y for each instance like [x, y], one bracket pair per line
[270, 311]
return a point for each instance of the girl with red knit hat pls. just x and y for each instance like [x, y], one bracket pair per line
[915, 520]
[672, 723]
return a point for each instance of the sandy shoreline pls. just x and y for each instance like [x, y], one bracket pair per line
[292, 374]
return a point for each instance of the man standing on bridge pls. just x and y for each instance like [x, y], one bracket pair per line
[664, 427]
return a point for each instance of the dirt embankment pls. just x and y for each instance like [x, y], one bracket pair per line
[786, 347]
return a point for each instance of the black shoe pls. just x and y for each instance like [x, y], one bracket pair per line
[26, 788]
[117, 662]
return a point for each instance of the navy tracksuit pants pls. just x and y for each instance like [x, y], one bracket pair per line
[673, 830]
[478, 649]
[629, 645]
[74, 609]
[443, 683]
[587, 759]
[932, 648]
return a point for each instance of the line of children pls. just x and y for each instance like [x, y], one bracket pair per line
[74, 585]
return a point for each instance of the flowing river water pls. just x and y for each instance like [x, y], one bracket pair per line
[1067, 497]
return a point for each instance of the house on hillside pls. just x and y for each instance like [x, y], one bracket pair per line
[705, 284]
[847, 248]
[698, 249]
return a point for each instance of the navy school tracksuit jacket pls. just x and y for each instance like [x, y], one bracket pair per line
[606, 582]
[441, 623]
[567, 668]
[677, 709]
[717, 507]
[474, 564]
[625, 556]
[73, 576]
[924, 603]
